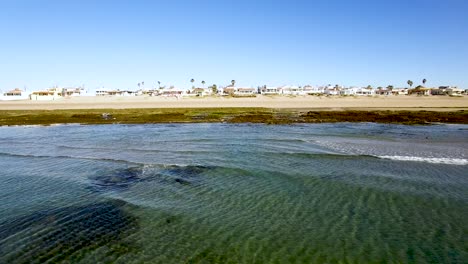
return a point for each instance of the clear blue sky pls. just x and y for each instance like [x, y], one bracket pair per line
[117, 44]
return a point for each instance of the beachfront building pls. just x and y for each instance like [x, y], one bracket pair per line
[349, 91]
[384, 91]
[420, 91]
[102, 92]
[115, 93]
[15, 94]
[74, 91]
[47, 94]
[447, 90]
[229, 90]
[174, 92]
[200, 92]
[365, 91]
[312, 90]
[400, 91]
[333, 90]
[245, 91]
[266, 90]
[291, 90]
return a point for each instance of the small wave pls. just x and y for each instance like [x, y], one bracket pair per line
[450, 161]
[67, 157]
[328, 155]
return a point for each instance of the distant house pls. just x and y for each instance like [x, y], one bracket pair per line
[15, 94]
[115, 93]
[420, 91]
[102, 92]
[229, 90]
[365, 91]
[333, 90]
[47, 95]
[245, 91]
[400, 91]
[269, 90]
[201, 91]
[291, 90]
[311, 90]
[384, 91]
[454, 91]
[349, 91]
[173, 92]
[73, 91]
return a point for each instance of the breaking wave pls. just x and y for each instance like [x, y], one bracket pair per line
[450, 161]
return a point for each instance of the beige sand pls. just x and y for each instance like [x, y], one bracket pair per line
[439, 103]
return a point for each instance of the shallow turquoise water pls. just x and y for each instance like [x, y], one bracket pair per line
[222, 193]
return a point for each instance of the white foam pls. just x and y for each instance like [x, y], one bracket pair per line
[451, 161]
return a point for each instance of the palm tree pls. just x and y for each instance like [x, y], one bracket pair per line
[143, 84]
[203, 82]
[410, 83]
[139, 84]
[233, 82]
[159, 84]
[214, 87]
[192, 81]
[424, 81]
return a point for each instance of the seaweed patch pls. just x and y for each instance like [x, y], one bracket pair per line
[67, 234]
[117, 180]
[186, 175]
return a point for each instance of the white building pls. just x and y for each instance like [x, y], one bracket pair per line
[365, 91]
[349, 90]
[173, 92]
[333, 90]
[47, 95]
[247, 91]
[201, 92]
[291, 90]
[312, 90]
[270, 90]
[115, 93]
[15, 94]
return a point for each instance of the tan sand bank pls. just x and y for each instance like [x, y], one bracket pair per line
[434, 103]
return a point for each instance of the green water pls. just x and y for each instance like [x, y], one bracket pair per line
[216, 193]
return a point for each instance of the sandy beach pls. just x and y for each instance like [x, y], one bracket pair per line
[434, 103]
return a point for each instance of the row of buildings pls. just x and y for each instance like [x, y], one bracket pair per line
[56, 93]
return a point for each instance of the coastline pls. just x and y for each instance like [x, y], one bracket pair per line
[226, 115]
[262, 109]
[437, 103]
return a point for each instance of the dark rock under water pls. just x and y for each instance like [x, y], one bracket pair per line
[117, 180]
[122, 179]
[66, 234]
[186, 175]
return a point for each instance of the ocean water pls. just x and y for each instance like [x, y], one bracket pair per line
[234, 193]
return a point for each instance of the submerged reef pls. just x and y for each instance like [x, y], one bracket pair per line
[123, 178]
[116, 180]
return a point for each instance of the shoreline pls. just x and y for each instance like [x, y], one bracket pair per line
[261, 109]
[436, 103]
[227, 115]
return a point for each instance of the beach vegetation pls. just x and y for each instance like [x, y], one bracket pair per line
[233, 115]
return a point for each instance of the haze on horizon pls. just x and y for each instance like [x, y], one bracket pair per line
[117, 44]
